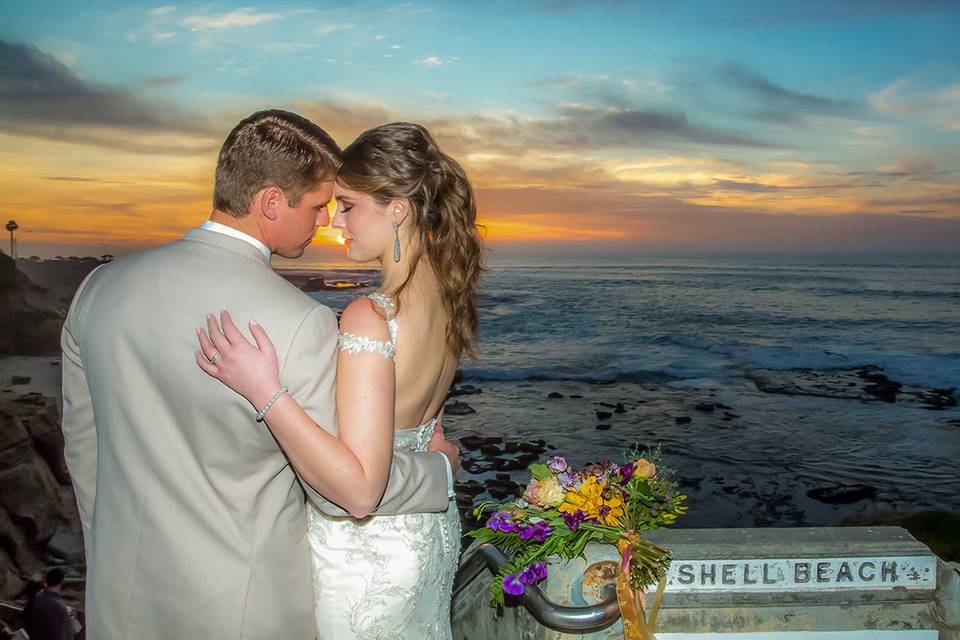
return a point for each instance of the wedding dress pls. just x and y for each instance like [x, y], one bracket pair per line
[384, 577]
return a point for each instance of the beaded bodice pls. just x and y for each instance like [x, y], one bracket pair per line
[352, 343]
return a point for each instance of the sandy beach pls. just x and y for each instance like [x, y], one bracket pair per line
[44, 374]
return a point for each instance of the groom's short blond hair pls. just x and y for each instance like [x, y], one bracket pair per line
[272, 148]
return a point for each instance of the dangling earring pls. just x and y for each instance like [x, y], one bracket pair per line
[396, 241]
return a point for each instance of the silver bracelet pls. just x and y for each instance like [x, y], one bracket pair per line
[280, 392]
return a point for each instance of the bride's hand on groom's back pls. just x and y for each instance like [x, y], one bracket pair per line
[225, 354]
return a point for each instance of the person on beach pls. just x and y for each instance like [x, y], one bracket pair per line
[405, 204]
[193, 518]
[46, 616]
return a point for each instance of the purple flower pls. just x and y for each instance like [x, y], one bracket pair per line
[573, 520]
[557, 464]
[512, 585]
[500, 521]
[534, 573]
[626, 472]
[539, 531]
[568, 480]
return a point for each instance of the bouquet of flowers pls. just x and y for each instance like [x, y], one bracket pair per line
[562, 509]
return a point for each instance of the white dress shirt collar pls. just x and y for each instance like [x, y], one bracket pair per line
[210, 225]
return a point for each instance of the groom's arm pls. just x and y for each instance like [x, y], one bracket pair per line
[79, 430]
[418, 481]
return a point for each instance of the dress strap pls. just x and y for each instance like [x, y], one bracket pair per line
[362, 344]
[386, 303]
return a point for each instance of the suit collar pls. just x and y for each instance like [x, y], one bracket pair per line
[227, 242]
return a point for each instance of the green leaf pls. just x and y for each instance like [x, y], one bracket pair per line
[540, 471]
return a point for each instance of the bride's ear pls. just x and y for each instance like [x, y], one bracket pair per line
[398, 210]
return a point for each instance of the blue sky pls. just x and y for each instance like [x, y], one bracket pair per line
[627, 126]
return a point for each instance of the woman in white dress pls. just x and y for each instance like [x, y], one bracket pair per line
[404, 203]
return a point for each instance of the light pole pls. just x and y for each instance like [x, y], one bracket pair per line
[16, 239]
[11, 227]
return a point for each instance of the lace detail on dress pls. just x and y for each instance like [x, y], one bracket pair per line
[386, 577]
[362, 344]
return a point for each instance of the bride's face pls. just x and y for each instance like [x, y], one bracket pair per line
[364, 225]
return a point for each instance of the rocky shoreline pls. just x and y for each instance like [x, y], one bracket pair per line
[587, 422]
[39, 523]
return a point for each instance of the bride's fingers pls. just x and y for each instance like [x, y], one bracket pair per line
[205, 345]
[216, 336]
[230, 330]
[264, 343]
[208, 368]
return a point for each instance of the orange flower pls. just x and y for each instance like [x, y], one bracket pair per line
[644, 468]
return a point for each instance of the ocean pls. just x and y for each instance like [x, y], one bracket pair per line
[776, 340]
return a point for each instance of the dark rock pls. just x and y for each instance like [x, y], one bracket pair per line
[532, 447]
[491, 450]
[692, 483]
[458, 409]
[15, 380]
[503, 476]
[465, 390]
[842, 493]
[885, 390]
[470, 487]
[511, 447]
[604, 415]
[728, 414]
[554, 395]
[509, 465]
[705, 406]
[67, 545]
[576, 397]
[471, 465]
[619, 408]
[475, 442]
[683, 420]
[602, 427]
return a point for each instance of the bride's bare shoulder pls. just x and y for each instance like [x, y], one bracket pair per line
[362, 317]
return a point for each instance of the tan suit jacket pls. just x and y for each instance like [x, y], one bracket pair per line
[193, 518]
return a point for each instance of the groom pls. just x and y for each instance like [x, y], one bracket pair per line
[194, 520]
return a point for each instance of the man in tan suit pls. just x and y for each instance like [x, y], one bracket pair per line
[194, 520]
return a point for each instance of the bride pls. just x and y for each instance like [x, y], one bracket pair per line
[402, 202]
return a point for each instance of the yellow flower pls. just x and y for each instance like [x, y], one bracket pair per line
[589, 499]
[551, 493]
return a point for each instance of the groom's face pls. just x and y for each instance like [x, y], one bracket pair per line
[298, 225]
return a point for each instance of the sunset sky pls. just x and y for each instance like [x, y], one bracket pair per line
[588, 128]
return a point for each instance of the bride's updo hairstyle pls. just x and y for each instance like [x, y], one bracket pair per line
[401, 160]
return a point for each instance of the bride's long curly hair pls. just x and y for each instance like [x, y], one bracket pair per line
[402, 160]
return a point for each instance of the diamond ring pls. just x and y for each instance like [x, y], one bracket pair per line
[216, 356]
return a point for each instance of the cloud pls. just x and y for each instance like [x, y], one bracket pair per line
[883, 100]
[244, 17]
[430, 61]
[327, 29]
[39, 96]
[165, 10]
[780, 104]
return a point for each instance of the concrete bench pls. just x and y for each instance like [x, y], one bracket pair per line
[831, 583]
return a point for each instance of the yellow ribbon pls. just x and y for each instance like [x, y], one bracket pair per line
[632, 603]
